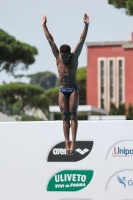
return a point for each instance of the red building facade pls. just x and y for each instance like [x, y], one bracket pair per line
[109, 73]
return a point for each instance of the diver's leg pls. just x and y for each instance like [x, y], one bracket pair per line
[73, 106]
[63, 104]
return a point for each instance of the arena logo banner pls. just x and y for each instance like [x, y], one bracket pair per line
[123, 149]
[70, 180]
[58, 152]
[122, 181]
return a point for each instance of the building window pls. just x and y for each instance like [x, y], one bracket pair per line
[102, 90]
[102, 103]
[111, 92]
[111, 81]
[102, 83]
[120, 70]
[111, 78]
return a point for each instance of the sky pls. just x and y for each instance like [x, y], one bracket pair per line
[23, 18]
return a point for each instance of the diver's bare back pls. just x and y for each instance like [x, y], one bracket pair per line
[67, 72]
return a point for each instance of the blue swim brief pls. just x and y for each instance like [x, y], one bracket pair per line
[68, 91]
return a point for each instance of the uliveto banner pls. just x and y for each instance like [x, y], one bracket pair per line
[70, 180]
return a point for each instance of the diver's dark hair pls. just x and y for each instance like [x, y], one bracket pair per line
[65, 48]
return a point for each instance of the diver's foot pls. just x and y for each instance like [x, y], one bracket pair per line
[67, 145]
[72, 147]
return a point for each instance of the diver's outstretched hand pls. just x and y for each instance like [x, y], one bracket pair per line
[44, 20]
[86, 19]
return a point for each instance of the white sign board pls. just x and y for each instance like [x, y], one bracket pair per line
[34, 164]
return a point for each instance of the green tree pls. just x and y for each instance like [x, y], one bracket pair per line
[14, 97]
[52, 94]
[14, 53]
[121, 109]
[130, 110]
[46, 79]
[113, 109]
[127, 4]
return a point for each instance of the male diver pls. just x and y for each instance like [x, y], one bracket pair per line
[67, 63]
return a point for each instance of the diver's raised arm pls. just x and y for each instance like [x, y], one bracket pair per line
[49, 37]
[79, 46]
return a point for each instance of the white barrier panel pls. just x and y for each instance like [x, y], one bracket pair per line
[34, 166]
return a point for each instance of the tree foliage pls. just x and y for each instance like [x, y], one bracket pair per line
[127, 4]
[113, 109]
[130, 110]
[52, 94]
[46, 79]
[15, 96]
[14, 53]
[121, 110]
